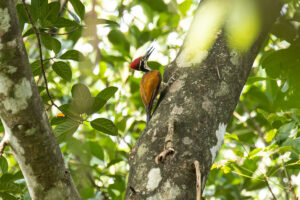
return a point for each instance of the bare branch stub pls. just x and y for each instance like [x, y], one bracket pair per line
[198, 180]
[168, 146]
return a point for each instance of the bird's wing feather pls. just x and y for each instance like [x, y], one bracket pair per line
[149, 89]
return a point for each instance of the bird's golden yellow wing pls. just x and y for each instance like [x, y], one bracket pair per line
[149, 88]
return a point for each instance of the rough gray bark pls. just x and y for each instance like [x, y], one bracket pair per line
[27, 130]
[190, 117]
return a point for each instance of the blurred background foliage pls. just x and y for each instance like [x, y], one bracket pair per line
[87, 48]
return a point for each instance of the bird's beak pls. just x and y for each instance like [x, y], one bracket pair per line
[149, 52]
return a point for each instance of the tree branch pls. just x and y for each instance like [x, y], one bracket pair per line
[27, 129]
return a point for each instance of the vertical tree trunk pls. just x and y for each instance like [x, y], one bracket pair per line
[191, 120]
[27, 130]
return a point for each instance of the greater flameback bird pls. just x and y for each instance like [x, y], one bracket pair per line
[150, 83]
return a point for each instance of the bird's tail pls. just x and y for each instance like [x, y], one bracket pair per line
[148, 113]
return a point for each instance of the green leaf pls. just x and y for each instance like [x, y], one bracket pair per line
[102, 97]
[270, 135]
[232, 136]
[82, 99]
[68, 110]
[63, 22]
[10, 187]
[117, 38]
[157, 5]
[7, 196]
[36, 67]
[22, 15]
[3, 165]
[284, 131]
[104, 125]
[80, 91]
[98, 103]
[254, 79]
[58, 120]
[75, 17]
[11, 177]
[285, 29]
[185, 6]
[53, 10]
[40, 7]
[86, 192]
[63, 70]
[276, 62]
[78, 7]
[294, 143]
[106, 21]
[50, 42]
[65, 129]
[254, 152]
[28, 32]
[96, 150]
[72, 55]
[107, 93]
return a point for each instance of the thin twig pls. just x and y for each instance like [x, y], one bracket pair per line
[198, 180]
[66, 33]
[218, 72]
[290, 186]
[63, 4]
[270, 189]
[286, 192]
[42, 62]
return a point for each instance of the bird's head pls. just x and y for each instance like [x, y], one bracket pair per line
[140, 63]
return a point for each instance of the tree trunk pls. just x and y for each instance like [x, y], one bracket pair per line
[191, 119]
[27, 130]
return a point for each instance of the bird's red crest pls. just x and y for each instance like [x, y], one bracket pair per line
[136, 63]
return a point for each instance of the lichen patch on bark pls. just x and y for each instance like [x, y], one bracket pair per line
[11, 69]
[176, 111]
[169, 191]
[223, 89]
[234, 57]
[4, 21]
[154, 178]
[21, 93]
[176, 86]
[142, 150]
[187, 140]
[5, 84]
[59, 192]
[208, 106]
[220, 138]
[30, 131]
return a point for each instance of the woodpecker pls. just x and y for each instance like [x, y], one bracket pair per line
[150, 83]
